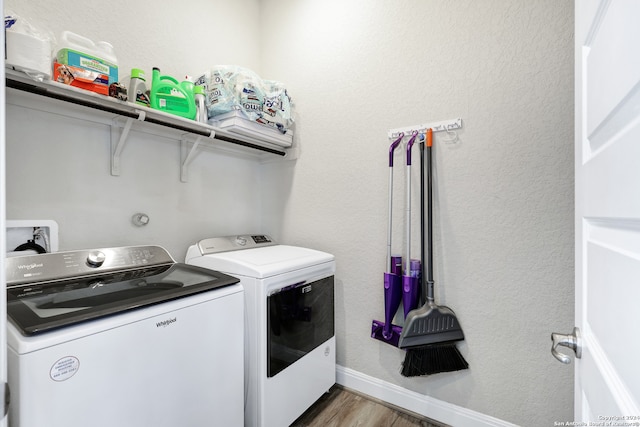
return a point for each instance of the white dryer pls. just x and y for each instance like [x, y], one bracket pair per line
[289, 329]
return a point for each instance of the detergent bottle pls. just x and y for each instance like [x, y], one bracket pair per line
[172, 97]
[138, 88]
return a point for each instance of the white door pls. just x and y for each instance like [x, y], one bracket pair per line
[3, 300]
[607, 386]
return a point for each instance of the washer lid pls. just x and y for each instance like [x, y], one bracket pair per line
[44, 306]
[263, 262]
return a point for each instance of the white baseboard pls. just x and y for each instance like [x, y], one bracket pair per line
[415, 402]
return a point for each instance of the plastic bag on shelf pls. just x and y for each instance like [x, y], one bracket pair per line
[219, 97]
[249, 91]
[277, 109]
[28, 48]
[230, 88]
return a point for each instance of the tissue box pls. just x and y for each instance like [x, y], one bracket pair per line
[81, 77]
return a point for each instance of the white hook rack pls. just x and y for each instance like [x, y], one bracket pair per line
[422, 128]
[186, 154]
[116, 148]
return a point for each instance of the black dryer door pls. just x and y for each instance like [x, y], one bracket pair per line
[300, 318]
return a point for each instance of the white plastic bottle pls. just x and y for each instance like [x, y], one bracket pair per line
[201, 109]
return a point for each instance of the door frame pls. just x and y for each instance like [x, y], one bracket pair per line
[3, 200]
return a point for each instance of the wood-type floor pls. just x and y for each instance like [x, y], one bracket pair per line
[341, 407]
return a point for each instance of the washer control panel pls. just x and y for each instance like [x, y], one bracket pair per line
[234, 243]
[63, 265]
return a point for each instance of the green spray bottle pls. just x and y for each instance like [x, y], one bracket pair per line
[172, 97]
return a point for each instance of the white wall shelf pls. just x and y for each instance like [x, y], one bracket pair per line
[124, 116]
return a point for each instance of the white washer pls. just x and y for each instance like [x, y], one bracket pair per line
[123, 337]
[290, 329]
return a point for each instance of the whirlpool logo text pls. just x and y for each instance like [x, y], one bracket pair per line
[30, 266]
[165, 323]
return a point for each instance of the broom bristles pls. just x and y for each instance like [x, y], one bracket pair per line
[433, 359]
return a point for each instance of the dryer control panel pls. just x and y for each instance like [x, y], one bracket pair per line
[234, 243]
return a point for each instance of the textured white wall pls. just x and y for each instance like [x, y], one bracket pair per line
[58, 168]
[504, 196]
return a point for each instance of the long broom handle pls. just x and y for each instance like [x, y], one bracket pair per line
[430, 284]
[407, 270]
[388, 270]
[423, 254]
[392, 148]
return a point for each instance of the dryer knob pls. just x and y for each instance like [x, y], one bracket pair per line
[95, 259]
[241, 241]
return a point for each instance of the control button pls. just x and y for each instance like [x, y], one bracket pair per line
[95, 259]
[241, 240]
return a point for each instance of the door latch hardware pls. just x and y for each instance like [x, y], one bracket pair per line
[572, 341]
[6, 398]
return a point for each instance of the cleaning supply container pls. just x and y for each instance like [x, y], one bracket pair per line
[138, 88]
[81, 62]
[172, 97]
[201, 109]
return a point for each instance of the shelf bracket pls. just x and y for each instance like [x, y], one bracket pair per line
[117, 147]
[187, 154]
